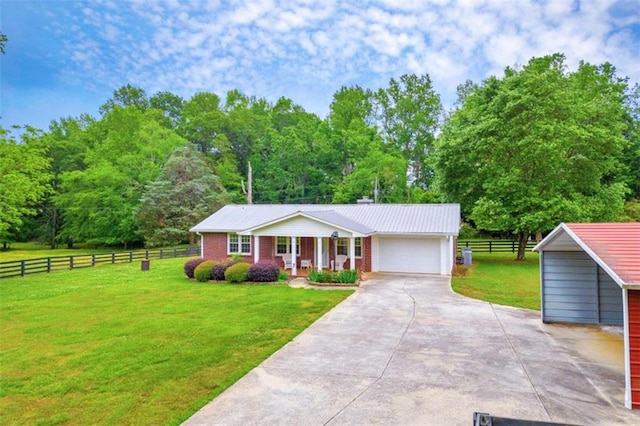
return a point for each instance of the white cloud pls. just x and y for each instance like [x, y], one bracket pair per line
[275, 47]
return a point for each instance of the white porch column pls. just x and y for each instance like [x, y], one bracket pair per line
[319, 253]
[256, 249]
[294, 256]
[352, 253]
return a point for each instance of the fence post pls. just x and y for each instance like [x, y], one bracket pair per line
[175, 252]
[513, 246]
[490, 247]
[70, 262]
[22, 268]
[146, 254]
[48, 264]
[93, 260]
[160, 253]
[130, 256]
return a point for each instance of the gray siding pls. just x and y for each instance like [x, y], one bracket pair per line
[610, 300]
[569, 287]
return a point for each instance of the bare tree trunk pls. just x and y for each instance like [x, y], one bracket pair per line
[54, 228]
[522, 245]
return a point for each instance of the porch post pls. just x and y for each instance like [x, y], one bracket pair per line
[319, 253]
[256, 248]
[294, 256]
[352, 253]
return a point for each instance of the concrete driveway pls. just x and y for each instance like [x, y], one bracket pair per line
[407, 350]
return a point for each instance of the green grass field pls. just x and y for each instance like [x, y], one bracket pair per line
[115, 345]
[498, 278]
[19, 251]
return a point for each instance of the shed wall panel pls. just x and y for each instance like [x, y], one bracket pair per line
[634, 345]
[610, 299]
[570, 288]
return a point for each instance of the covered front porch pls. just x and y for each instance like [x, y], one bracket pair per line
[312, 240]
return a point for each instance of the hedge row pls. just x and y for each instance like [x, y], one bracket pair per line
[233, 271]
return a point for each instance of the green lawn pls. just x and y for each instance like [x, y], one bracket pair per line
[19, 251]
[498, 278]
[115, 345]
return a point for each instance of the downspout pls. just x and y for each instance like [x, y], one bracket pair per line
[201, 245]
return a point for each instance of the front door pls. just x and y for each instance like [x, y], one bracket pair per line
[325, 252]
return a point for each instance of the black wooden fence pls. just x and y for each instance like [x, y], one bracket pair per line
[494, 246]
[24, 267]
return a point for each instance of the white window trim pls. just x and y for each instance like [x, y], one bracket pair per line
[288, 246]
[347, 245]
[241, 239]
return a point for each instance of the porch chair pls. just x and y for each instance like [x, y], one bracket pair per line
[340, 259]
[288, 263]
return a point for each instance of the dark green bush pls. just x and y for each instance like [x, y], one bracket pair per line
[321, 276]
[283, 276]
[204, 271]
[237, 273]
[348, 276]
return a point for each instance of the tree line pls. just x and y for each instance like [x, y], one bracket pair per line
[520, 153]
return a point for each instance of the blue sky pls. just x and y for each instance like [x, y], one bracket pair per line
[65, 58]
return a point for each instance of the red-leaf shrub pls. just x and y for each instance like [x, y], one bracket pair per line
[219, 269]
[190, 266]
[264, 272]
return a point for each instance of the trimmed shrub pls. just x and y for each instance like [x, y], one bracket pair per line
[237, 273]
[204, 270]
[190, 266]
[348, 276]
[321, 276]
[264, 272]
[220, 268]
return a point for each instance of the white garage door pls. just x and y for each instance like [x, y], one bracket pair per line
[409, 255]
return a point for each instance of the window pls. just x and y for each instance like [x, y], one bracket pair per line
[238, 244]
[283, 245]
[343, 246]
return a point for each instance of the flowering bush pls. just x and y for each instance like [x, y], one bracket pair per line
[264, 272]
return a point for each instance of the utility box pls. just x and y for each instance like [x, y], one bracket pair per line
[144, 266]
[466, 256]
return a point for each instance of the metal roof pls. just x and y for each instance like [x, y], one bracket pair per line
[614, 246]
[417, 219]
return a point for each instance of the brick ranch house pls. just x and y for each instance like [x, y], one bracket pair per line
[414, 238]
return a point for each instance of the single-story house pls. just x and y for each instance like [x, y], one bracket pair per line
[417, 238]
[590, 274]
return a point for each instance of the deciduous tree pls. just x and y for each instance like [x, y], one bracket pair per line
[536, 147]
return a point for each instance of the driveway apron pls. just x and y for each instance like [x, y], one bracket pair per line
[405, 349]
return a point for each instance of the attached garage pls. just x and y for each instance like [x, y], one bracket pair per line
[403, 254]
[412, 238]
[590, 274]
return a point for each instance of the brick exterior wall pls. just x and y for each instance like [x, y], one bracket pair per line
[215, 247]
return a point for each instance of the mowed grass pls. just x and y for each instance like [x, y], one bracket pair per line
[115, 345]
[19, 251]
[498, 278]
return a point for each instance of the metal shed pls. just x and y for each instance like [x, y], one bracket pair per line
[590, 274]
